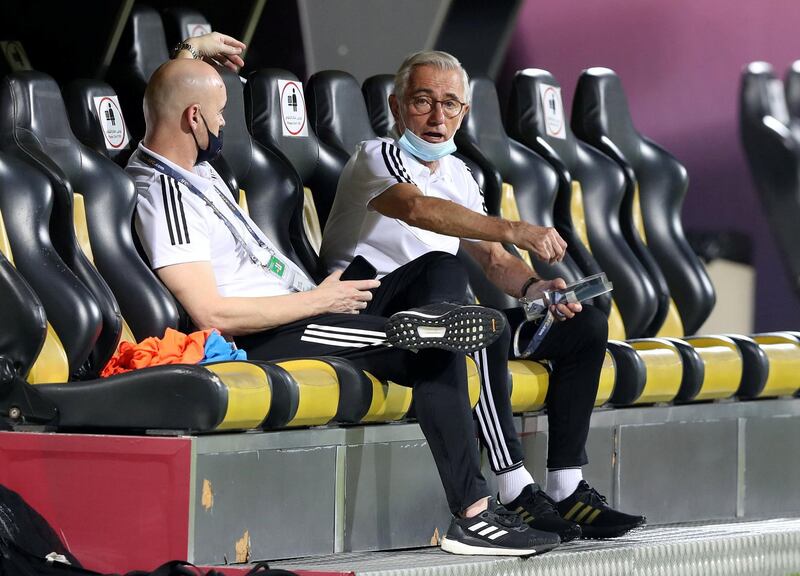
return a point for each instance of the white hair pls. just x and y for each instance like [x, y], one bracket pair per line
[435, 58]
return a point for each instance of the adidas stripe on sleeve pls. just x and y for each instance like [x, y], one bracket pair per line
[172, 228]
[381, 166]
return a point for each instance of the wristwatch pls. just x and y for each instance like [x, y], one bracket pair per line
[184, 45]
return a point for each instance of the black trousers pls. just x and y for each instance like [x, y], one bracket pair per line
[575, 349]
[438, 377]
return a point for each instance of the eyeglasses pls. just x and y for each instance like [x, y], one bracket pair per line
[424, 104]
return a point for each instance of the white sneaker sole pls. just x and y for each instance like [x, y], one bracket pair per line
[456, 547]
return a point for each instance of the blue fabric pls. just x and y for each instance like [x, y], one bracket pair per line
[424, 150]
[218, 349]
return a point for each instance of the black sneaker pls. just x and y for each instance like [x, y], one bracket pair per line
[496, 532]
[538, 510]
[593, 514]
[447, 326]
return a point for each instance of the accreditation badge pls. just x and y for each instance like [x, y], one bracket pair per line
[276, 266]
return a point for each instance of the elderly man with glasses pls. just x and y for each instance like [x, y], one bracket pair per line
[402, 198]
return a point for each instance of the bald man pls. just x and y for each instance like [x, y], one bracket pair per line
[228, 275]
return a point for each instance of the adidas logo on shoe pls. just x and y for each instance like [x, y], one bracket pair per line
[496, 532]
[590, 510]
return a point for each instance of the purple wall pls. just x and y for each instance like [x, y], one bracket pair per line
[680, 62]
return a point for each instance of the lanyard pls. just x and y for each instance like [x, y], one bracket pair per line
[276, 266]
[538, 336]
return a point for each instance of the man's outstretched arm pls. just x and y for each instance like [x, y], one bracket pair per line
[407, 203]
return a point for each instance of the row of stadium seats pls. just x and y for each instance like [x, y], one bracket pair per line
[648, 370]
[540, 177]
[769, 123]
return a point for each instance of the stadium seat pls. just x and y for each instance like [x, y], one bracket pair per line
[771, 139]
[376, 90]
[22, 114]
[83, 98]
[656, 184]
[266, 180]
[182, 22]
[791, 88]
[270, 186]
[21, 340]
[589, 196]
[142, 48]
[277, 119]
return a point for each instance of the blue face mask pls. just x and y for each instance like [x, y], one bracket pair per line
[424, 150]
[214, 145]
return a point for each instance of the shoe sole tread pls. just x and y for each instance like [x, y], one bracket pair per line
[466, 329]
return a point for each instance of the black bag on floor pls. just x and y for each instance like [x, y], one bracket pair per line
[25, 535]
[30, 547]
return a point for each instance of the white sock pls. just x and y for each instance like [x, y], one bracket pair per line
[511, 483]
[562, 483]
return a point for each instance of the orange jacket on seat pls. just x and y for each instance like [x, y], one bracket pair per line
[174, 348]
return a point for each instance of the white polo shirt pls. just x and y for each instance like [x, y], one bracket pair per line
[176, 226]
[354, 228]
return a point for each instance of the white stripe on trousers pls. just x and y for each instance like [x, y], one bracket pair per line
[344, 330]
[342, 337]
[488, 420]
[338, 343]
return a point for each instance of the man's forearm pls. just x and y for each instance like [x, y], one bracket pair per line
[236, 316]
[504, 270]
[452, 219]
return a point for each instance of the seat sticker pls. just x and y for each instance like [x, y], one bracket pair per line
[553, 110]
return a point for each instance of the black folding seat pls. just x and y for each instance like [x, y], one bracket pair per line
[791, 87]
[770, 135]
[267, 184]
[22, 116]
[339, 117]
[142, 48]
[21, 342]
[23, 320]
[181, 22]
[590, 190]
[317, 165]
[376, 90]
[82, 98]
[271, 188]
[48, 362]
[656, 183]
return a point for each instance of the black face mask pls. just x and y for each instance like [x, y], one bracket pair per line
[214, 145]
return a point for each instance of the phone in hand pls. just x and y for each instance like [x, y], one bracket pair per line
[359, 269]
